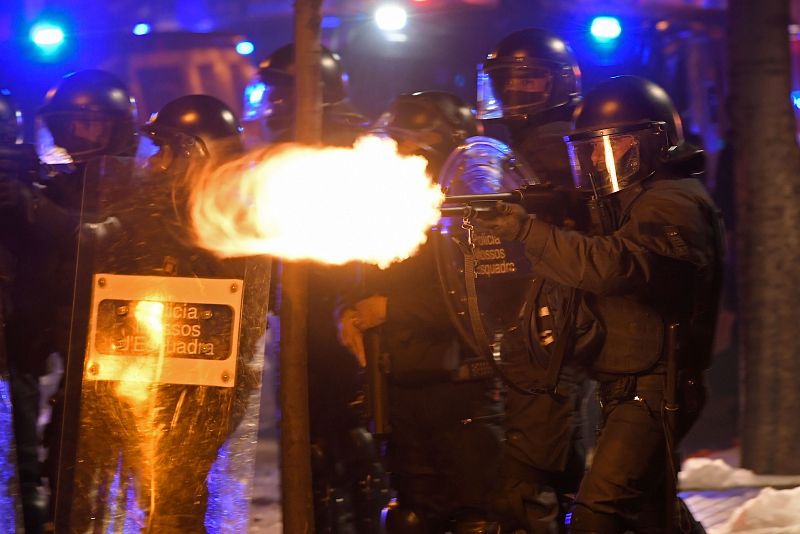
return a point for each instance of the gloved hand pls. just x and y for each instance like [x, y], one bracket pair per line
[367, 313]
[506, 221]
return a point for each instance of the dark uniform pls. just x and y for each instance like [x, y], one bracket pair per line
[653, 260]
[530, 82]
[444, 440]
[348, 482]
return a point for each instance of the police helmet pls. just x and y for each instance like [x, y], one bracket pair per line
[270, 96]
[530, 71]
[10, 120]
[428, 123]
[193, 126]
[89, 113]
[624, 129]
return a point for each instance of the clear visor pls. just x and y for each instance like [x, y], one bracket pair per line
[605, 164]
[169, 150]
[145, 151]
[80, 134]
[414, 133]
[507, 88]
[49, 152]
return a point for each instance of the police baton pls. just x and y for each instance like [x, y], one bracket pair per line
[670, 417]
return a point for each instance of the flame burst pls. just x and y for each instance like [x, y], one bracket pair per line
[328, 204]
[137, 379]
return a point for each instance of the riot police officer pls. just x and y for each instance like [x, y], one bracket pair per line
[172, 473]
[269, 100]
[87, 114]
[530, 82]
[444, 440]
[348, 480]
[648, 271]
[21, 389]
[192, 128]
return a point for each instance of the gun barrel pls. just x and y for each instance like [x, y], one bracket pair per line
[554, 204]
[511, 196]
[470, 205]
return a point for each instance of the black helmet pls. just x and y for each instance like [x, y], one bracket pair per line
[623, 131]
[194, 126]
[90, 113]
[530, 71]
[429, 123]
[10, 120]
[271, 94]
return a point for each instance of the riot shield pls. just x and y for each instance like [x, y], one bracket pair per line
[163, 374]
[487, 281]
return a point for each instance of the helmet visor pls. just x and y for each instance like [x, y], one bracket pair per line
[606, 163]
[414, 128]
[410, 115]
[82, 134]
[512, 88]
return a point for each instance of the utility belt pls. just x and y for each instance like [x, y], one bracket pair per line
[689, 384]
[626, 387]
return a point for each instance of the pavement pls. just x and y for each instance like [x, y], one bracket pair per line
[265, 508]
[712, 507]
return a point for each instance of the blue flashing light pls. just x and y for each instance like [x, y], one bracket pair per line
[605, 29]
[245, 48]
[142, 28]
[329, 22]
[796, 99]
[255, 93]
[47, 36]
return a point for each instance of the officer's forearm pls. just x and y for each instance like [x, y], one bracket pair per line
[604, 265]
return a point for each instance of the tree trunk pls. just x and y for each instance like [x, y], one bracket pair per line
[296, 493]
[768, 233]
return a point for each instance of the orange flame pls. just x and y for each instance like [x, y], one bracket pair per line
[328, 204]
[137, 379]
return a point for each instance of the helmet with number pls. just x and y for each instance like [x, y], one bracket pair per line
[270, 96]
[428, 123]
[624, 130]
[10, 120]
[193, 126]
[89, 113]
[529, 72]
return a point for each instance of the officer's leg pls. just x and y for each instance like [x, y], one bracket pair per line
[25, 406]
[371, 488]
[525, 500]
[628, 462]
[468, 451]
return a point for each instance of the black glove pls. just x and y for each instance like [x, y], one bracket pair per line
[507, 221]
